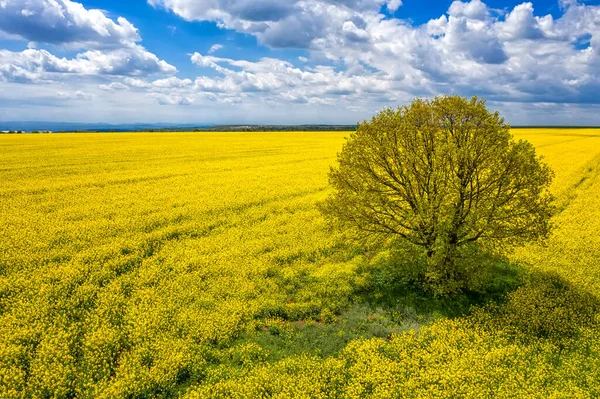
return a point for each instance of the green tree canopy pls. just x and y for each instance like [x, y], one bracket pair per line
[441, 174]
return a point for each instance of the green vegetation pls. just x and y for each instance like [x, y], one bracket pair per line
[444, 176]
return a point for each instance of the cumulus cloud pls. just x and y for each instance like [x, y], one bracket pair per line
[476, 41]
[516, 56]
[354, 33]
[522, 24]
[40, 65]
[172, 82]
[111, 47]
[135, 61]
[64, 22]
[474, 9]
[114, 86]
[282, 81]
[394, 5]
[136, 83]
[77, 95]
[230, 12]
[165, 99]
[293, 23]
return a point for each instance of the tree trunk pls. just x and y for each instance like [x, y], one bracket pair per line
[442, 275]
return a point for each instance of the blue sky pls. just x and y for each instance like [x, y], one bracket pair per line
[295, 61]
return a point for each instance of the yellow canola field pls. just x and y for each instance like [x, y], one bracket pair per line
[154, 265]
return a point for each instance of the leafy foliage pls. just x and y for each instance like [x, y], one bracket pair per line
[441, 174]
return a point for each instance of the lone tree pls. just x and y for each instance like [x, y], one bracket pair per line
[441, 175]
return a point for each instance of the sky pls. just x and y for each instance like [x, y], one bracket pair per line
[295, 61]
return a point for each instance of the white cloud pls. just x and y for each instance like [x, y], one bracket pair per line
[165, 99]
[114, 86]
[40, 65]
[214, 48]
[172, 82]
[354, 33]
[511, 57]
[137, 83]
[135, 61]
[394, 5]
[109, 47]
[293, 23]
[77, 95]
[64, 22]
[474, 9]
[281, 80]
[522, 24]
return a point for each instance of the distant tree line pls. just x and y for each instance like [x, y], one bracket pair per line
[220, 128]
[24, 132]
[277, 128]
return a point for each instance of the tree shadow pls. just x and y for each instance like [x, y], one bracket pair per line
[389, 296]
[546, 307]
[525, 303]
[395, 283]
